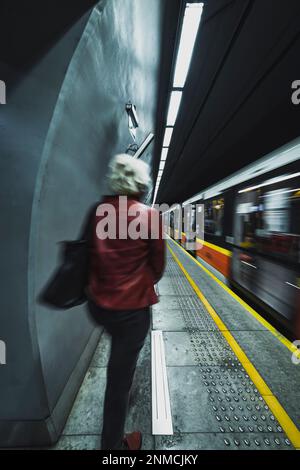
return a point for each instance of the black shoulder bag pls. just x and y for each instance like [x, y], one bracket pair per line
[66, 287]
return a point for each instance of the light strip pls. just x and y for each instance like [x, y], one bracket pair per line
[168, 136]
[284, 192]
[279, 179]
[190, 26]
[174, 105]
[292, 285]
[164, 154]
[189, 30]
[249, 264]
[154, 198]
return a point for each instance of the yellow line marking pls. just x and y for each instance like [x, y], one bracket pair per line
[212, 246]
[285, 420]
[223, 251]
[256, 315]
[278, 411]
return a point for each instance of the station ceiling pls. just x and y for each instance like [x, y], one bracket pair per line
[29, 28]
[236, 105]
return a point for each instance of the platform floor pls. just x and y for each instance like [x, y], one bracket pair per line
[231, 379]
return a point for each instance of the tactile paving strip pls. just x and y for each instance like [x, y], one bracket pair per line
[236, 403]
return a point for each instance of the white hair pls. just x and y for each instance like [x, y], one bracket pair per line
[127, 175]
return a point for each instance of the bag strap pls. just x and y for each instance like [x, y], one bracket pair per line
[87, 227]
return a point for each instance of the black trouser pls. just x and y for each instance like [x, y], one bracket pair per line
[128, 329]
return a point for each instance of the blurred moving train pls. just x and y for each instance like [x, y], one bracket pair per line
[251, 233]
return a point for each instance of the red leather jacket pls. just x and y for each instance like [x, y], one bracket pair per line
[123, 271]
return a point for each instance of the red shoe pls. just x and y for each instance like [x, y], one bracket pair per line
[133, 441]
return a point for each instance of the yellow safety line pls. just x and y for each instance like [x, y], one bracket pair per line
[278, 411]
[256, 315]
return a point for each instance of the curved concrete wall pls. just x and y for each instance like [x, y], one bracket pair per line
[61, 125]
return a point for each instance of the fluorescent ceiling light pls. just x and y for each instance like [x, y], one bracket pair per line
[278, 179]
[162, 165]
[164, 154]
[174, 105]
[160, 173]
[283, 192]
[168, 136]
[190, 26]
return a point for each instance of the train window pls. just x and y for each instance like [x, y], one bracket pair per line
[176, 223]
[249, 219]
[213, 219]
[276, 211]
[280, 233]
[268, 219]
[189, 219]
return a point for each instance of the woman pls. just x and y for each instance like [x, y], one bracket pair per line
[127, 259]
